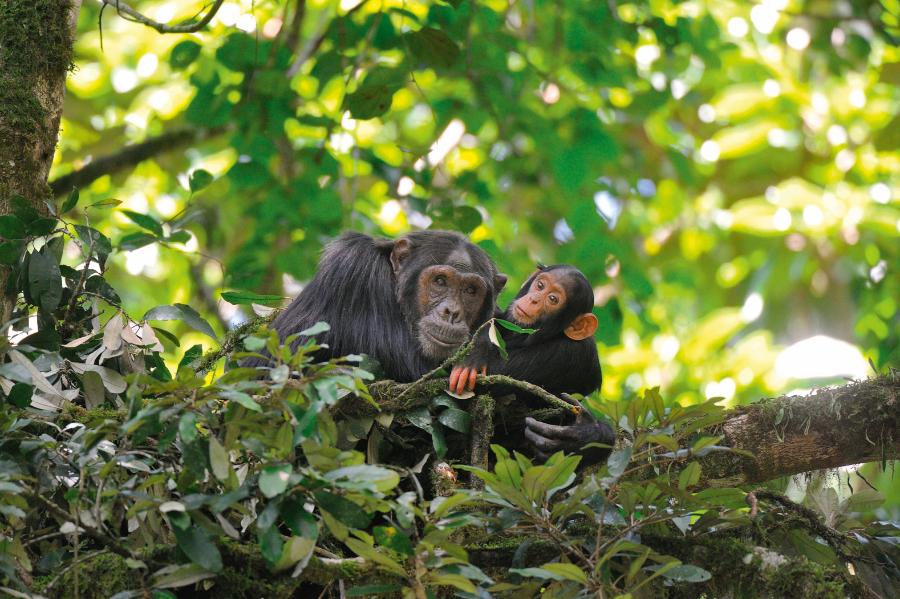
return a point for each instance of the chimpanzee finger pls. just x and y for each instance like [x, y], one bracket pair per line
[542, 443]
[461, 380]
[454, 377]
[552, 431]
[472, 374]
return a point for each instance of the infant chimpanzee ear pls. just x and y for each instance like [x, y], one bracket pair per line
[584, 326]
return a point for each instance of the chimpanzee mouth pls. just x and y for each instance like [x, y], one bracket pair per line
[443, 341]
[521, 315]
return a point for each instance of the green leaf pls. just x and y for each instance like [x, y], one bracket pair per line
[690, 476]
[497, 339]
[199, 548]
[567, 571]
[433, 47]
[319, 327]
[369, 101]
[438, 441]
[41, 226]
[11, 227]
[183, 54]
[421, 418]
[514, 327]
[273, 480]
[247, 297]
[179, 575]
[199, 179]
[301, 522]
[108, 202]
[70, 202]
[181, 312]
[271, 544]
[44, 281]
[365, 476]
[371, 554]
[134, 241]
[687, 573]
[144, 220]
[20, 395]
[193, 353]
[241, 398]
[455, 419]
[392, 538]
[295, 550]
[218, 459]
[187, 427]
[11, 251]
[90, 236]
[179, 237]
[343, 509]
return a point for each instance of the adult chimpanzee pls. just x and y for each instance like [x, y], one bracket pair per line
[409, 303]
[561, 356]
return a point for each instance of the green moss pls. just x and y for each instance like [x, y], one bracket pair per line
[97, 578]
[91, 418]
[36, 49]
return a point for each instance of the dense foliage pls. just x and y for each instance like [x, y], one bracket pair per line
[726, 174]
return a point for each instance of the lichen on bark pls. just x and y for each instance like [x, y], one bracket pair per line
[35, 55]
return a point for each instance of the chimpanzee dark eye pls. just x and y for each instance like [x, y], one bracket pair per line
[553, 299]
[471, 290]
[440, 280]
[540, 284]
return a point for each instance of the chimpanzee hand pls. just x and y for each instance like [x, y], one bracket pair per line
[462, 378]
[547, 439]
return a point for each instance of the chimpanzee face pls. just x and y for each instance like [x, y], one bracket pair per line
[450, 302]
[544, 298]
[446, 287]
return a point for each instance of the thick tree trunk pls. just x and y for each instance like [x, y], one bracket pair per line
[852, 424]
[36, 41]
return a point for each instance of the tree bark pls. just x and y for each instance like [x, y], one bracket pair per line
[36, 42]
[853, 424]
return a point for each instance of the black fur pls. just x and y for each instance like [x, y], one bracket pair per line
[369, 308]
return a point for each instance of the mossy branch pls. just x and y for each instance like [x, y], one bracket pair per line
[232, 339]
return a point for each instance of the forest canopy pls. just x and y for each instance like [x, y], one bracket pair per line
[725, 174]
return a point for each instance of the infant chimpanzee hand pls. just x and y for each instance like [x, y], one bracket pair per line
[547, 439]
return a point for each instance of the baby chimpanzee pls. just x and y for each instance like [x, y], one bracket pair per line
[561, 356]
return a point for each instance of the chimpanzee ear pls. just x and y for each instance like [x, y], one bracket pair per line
[584, 326]
[402, 250]
[499, 281]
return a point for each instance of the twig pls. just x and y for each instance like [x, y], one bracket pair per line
[130, 156]
[112, 544]
[313, 45]
[187, 26]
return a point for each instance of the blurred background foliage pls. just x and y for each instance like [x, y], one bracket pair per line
[725, 173]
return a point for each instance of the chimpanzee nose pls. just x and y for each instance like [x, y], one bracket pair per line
[450, 314]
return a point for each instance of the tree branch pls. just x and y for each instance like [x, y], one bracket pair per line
[188, 26]
[130, 156]
[840, 426]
